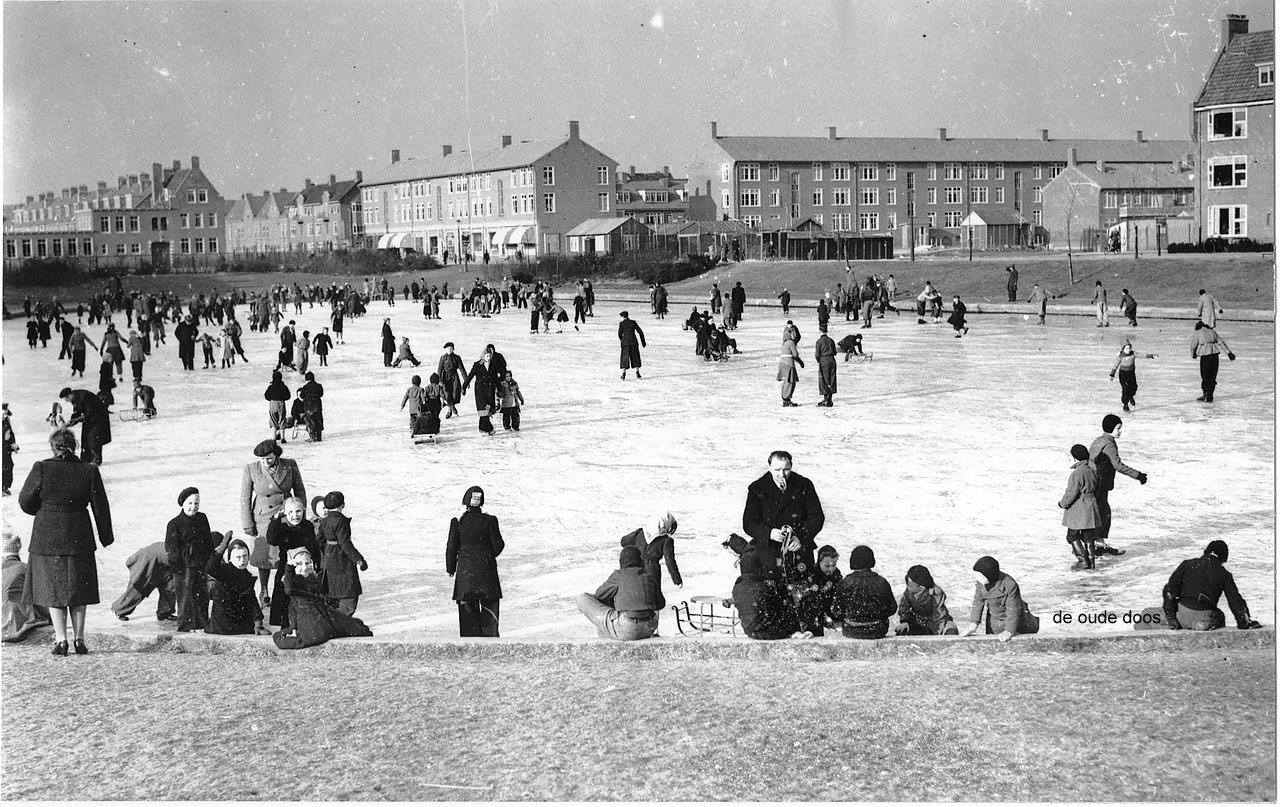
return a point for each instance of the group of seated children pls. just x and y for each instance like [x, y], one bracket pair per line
[713, 343]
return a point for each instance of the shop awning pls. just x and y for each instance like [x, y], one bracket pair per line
[402, 241]
[499, 236]
[384, 240]
[527, 237]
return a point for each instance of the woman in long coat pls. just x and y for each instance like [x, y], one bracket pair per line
[63, 575]
[289, 531]
[788, 358]
[265, 485]
[486, 390]
[388, 342]
[470, 558]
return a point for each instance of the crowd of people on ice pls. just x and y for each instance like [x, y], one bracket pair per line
[788, 586]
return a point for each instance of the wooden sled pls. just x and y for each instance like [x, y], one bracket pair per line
[707, 614]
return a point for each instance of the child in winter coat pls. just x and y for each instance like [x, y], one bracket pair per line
[1127, 365]
[512, 400]
[405, 353]
[342, 561]
[206, 344]
[817, 597]
[922, 609]
[434, 397]
[228, 350]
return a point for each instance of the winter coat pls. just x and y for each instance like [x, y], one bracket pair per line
[312, 395]
[1080, 502]
[863, 597]
[60, 492]
[1106, 444]
[768, 508]
[234, 607]
[630, 334]
[321, 344]
[661, 548]
[631, 591]
[1198, 584]
[263, 491]
[1207, 342]
[313, 619]
[342, 561]
[388, 339]
[136, 353]
[470, 555]
[788, 358]
[188, 542]
[764, 608]
[924, 611]
[93, 412]
[486, 385]
[1005, 608]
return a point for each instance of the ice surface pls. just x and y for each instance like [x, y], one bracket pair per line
[938, 451]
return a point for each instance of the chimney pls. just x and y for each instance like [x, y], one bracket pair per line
[1138, 136]
[506, 140]
[1233, 25]
[145, 179]
[942, 134]
[66, 192]
[308, 183]
[632, 175]
[102, 186]
[1044, 135]
[121, 181]
[573, 130]
[359, 176]
[157, 174]
[266, 193]
[177, 166]
[395, 156]
[831, 133]
[1102, 166]
[1072, 155]
[446, 150]
[284, 190]
[666, 170]
[84, 190]
[133, 180]
[333, 179]
[168, 175]
[713, 130]
[195, 162]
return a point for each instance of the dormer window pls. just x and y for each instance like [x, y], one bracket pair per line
[1266, 74]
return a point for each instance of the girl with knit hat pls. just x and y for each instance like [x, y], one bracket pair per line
[922, 609]
[1127, 365]
[996, 593]
[188, 543]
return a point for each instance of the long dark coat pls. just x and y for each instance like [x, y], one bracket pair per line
[388, 339]
[284, 535]
[312, 617]
[60, 492]
[768, 508]
[449, 370]
[188, 542]
[96, 428]
[486, 385]
[234, 607]
[471, 554]
[342, 560]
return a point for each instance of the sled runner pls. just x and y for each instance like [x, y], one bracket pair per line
[707, 614]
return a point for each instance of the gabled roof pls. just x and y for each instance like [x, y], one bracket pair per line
[963, 149]
[603, 226]
[716, 226]
[1234, 76]
[315, 194]
[517, 155]
[235, 210]
[1136, 177]
[994, 215]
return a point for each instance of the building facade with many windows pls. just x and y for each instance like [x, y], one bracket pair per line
[880, 185]
[659, 198]
[515, 199]
[1234, 128]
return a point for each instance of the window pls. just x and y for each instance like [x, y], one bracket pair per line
[726, 170]
[213, 245]
[999, 170]
[751, 221]
[1228, 220]
[817, 197]
[817, 171]
[86, 246]
[1039, 171]
[817, 218]
[10, 249]
[135, 248]
[1266, 74]
[191, 197]
[213, 220]
[103, 250]
[549, 177]
[120, 248]
[104, 224]
[42, 248]
[841, 222]
[933, 219]
[202, 196]
[931, 194]
[840, 172]
[749, 197]
[773, 172]
[869, 196]
[749, 172]
[977, 170]
[869, 173]
[1038, 217]
[548, 202]
[890, 171]
[978, 194]
[933, 170]
[840, 197]
[184, 220]
[726, 200]
[891, 221]
[775, 198]
[134, 224]
[955, 194]
[954, 171]
[184, 246]
[999, 194]
[155, 223]
[868, 221]
[891, 196]
[951, 218]
[604, 202]
[199, 246]
[1055, 169]
[71, 247]
[1228, 172]
[1037, 194]
[119, 224]
[197, 220]
[602, 175]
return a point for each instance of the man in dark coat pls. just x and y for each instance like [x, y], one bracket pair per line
[471, 559]
[185, 333]
[65, 329]
[1012, 285]
[864, 601]
[765, 609]
[625, 607]
[148, 571]
[95, 430]
[631, 338]
[388, 342]
[312, 395]
[824, 351]
[1191, 596]
[783, 507]
[738, 300]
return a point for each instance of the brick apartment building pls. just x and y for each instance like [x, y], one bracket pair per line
[659, 198]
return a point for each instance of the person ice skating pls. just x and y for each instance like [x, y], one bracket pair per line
[302, 353]
[21, 616]
[1206, 346]
[106, 383]
[656, 545]
[727, 315]
[277, 396]
[342, 561]
[1012, 284]
[1081, 515]
[289, 532]
[388, 342]
[227, 356]
[33, 333]
[868, 300]
[10, 448]
[631, 338]
[1129, 307]
[88, 410]
[188, 543]
[234, 331]
[486, 390]
[922, 301]
[207, 343]
[264, 486]
[1099, 301]
[62, 574]
[149, 571]
[434, 398]
[783, 516]
[79, 340]
[738, 298]
[785, 297]
[233, 611]
[716, 298]
[321, 345]
[416, 399]
[1105, 454]
[471, 559]
[625, 606]
[113, 350]
[817, 601]
[958, 310]
[824, 353]
[765, 608]
[864, 601]
[922, 608]
[452, 375]
[312, 395]
[405, 353]
[1207, 309]
[288, 338]
[788, 359]
[1040, 298]
[137, 355]
[998, 596]
[824, 315]
[337, 318]
[1127, 365]
[1194, 589]
[313, 618]
[510, 399]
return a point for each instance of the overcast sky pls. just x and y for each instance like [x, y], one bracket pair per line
[270, 93]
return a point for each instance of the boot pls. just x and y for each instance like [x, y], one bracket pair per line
[1077, 549]
[1089, 553]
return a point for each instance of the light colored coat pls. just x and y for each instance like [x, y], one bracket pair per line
[1080, 503]
[263, 491]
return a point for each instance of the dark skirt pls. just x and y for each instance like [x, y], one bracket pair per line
[62, 581]
[630, 357]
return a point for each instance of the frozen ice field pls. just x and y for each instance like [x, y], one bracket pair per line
[938, 451]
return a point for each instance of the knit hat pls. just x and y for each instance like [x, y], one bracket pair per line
[630, 558]
[1079, 452]
[466, 497]
[1110, 422]
[989, 567]
[314, 501]
[862, 558]
[266, 448]
[751, 565]
[12, 544]
[1218, 549]
[235, 544]
[664, 523]
[448, 345]
[920, 576]
[334, 499]
[188, 491]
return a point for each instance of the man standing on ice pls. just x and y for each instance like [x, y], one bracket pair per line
[628, 333]
[1207, 310]
[783, 507]
[1106, 457]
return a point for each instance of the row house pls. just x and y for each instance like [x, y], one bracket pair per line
[1234, 129]
[328, 217]
[259, 224]
[157, 216]
[514, 199]
[659, 198]
[878, 185]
